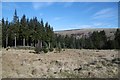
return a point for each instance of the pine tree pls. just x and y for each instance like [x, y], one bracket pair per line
[3, 32]
[15, 26]
[24, 28]
[35, 33]
[6, 33]
[103, 39]
[117, 39]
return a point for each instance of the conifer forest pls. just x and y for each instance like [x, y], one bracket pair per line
[36, 33]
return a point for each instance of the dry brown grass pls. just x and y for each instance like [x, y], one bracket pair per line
[68, 63]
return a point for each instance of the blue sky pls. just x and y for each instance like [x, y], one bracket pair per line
[66, 15]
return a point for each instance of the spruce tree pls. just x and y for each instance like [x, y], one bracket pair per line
[117, 39]
[15, 27]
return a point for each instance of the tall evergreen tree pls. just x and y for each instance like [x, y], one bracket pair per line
[3, 32]
[33, 32]
[15, 26]
[117, 39]
[24, 28]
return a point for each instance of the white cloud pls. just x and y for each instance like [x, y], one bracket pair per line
[39, 5]
[102, 24]
[86, 26]
[92, 25]
[78, 26]
[105, 13]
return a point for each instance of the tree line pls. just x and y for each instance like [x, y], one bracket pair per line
[32, 32]
[95, 40]
[25, 31]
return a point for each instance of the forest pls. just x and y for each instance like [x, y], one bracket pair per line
[34, 33]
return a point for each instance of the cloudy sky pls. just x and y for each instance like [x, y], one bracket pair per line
[66, 15]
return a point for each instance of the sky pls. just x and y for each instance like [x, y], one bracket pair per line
[66, 15]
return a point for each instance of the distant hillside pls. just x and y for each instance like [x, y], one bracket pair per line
[85, 32]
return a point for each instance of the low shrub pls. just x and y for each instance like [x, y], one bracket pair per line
[45, 50]
[51, 49]
[38, 49]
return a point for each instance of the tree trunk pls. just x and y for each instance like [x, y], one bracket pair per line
[15, 41]
[27, 42]
[6, 41]
[23, 41]
[35, 43]
[49, 45]
[31, 44]
[40, 43]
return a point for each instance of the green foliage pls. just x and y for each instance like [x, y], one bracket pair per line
[95, 40]
[45, 47]
[117, 39]
[45, 50]
[110, 44]
[30, 31]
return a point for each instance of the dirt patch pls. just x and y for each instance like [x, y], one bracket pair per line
[70, 63]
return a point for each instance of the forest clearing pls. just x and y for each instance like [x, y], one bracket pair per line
[73, 43]
[71, 63]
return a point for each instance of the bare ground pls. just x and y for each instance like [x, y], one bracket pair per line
[71, 63]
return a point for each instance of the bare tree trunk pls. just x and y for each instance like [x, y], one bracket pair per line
[49, 45]
[23, 41]
[6, 40]
[40, 43]
[27, 42]
[15, 40]
[30, 44]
